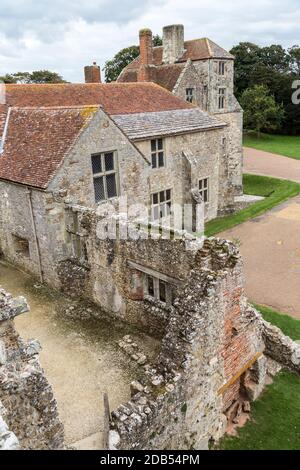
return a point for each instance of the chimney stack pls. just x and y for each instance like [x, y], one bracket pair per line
[173, 43]
[92, 73]
[146, 56]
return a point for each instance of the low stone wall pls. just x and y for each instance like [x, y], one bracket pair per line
[278, 347]
[28, 415]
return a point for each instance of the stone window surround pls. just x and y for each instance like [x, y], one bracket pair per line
[205, 188]
[190, 94]
[221, 68]
[155, 153]
[222, 97]
[105, 173]
[158, 204]
[157, 277]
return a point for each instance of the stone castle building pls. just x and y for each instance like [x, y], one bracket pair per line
[68, 155]
[200, 72]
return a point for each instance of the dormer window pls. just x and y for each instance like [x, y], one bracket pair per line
[222, 68]
[190, 94]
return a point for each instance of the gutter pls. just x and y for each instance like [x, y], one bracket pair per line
[29, 193]
[2, 140]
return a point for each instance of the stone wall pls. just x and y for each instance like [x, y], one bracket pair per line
[28, 412]
[203, 150]
[215, 358]
[210, 343]
[204, 78]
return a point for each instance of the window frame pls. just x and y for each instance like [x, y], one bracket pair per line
[104, 173]
[156, 292]
[190, 94]
[155, 153]
[204, 189]
[160, 203]
[222, 68]
[222, 98]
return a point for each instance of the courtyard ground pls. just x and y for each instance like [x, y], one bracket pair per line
[268, 164]
[81, 358]
[271, 252]
[286, 145]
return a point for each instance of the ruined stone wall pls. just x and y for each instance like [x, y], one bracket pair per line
[106, 277]
[37, 218]
[209, 342]
[28, 408]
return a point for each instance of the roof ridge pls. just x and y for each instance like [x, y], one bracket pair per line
[57, 107]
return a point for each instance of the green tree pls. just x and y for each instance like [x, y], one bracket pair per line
[295, 59]
[114, 66]
[38, 76]
[261, 112]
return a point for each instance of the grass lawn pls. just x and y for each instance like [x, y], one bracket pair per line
[275, 417]
[286, 145]
[287, 324]
[274, 190]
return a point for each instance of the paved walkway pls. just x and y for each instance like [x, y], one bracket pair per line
[268, 164]
[270, 244]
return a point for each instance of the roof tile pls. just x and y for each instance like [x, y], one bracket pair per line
[37, 140]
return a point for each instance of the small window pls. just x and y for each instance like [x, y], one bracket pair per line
[159, 290]
[161, 204]
[21, 246]
[221, 68]
[224, 144]
[105, 176]
[204, 189]
[190, 94]
[157, 153]
[222, 98]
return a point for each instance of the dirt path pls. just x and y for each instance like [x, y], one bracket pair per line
[81, 358]
[270, 246]
[268, 164]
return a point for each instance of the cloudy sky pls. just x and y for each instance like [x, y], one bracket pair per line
[63, 36]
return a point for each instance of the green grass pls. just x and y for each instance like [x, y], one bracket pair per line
[286, 145]
[275, 192]
[275, 417]
[290, 326]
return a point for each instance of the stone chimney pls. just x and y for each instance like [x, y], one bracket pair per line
[92, 73]
[173, 43]
[146, 56]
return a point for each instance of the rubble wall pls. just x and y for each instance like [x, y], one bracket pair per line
[28, 412]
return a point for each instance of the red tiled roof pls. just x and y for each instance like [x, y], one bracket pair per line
[37, 140]
[168, 74]
[3, 111]
[46, 119]
[165, 76]
[115, 98]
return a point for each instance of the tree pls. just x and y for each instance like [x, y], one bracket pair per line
[114, 66]
[246, 58]
[38, 76]
[261, 112]
[295, 59]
